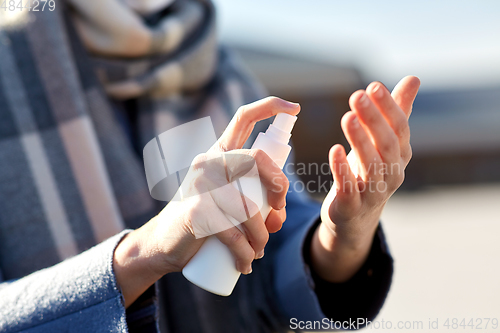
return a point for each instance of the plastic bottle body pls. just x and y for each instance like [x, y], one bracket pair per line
[213, 266]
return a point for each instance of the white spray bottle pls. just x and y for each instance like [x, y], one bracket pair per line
[213, 266]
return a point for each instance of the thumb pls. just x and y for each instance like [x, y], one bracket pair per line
[405, 92]
[243, 122]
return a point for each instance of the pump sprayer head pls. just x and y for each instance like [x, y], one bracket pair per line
[281, 128]
[284, 122]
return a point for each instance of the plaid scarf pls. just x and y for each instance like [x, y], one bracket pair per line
[78, 102]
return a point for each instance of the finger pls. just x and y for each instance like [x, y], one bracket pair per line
[239, 246]
[246, 215]
[405, 92]
[273, 179]
[383, 137]
[393, 114]
[234, 203]
[345, 181]
[243, 122]
[275, 220]
[240, 163]
[269, 174]
[257, 234]
[363, 147]
[206, 218]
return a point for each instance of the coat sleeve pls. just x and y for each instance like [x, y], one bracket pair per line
[305, 296]
[79, 294]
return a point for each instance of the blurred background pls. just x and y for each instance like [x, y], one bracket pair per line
[443, 224]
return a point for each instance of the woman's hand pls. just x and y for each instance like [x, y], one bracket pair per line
[378, 133]
[200, 208]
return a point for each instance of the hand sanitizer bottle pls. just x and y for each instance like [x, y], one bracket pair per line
[213, 266]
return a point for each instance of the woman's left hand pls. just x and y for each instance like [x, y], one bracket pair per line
[378, 132]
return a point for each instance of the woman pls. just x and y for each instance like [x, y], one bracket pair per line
[83, 89]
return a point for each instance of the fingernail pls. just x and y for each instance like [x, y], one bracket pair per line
[355, 122]
[377, 91]
[249, 270]
[291, 105]
[260, 255]
[363, 100]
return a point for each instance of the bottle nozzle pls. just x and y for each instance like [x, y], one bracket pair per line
[284, 122]
[281, 128]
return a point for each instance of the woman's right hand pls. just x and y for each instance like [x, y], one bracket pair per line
[167, 242]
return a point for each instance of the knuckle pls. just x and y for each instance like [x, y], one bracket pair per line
[236, 237]
[221, 146]
[409, 154]
[198, 159]
[398, 181]
[241, 110]
[388, 146]
[240, 115]
[273, 100]
[402, 127]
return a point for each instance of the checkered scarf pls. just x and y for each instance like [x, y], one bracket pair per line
[74, 117]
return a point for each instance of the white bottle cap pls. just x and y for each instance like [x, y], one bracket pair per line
[281, 128]
[284, 122]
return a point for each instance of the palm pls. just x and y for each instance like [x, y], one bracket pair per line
[354, 197]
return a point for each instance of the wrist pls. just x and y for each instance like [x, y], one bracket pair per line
[133, 265]
[336, 257]
[354, 234]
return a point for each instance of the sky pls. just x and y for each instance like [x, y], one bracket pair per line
[446, 43]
